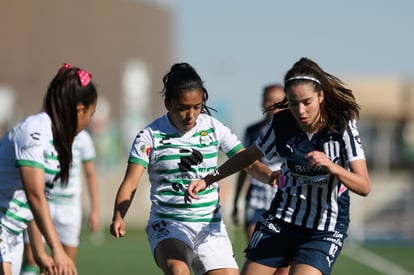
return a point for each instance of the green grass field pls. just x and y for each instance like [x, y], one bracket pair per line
[131, 255]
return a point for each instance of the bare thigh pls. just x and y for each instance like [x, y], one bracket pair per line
[223, 271]
[174, 256]
[253, 268]
[299, 268]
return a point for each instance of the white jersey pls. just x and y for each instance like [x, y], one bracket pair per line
[83, 151]
[29, 143]
[174, 159]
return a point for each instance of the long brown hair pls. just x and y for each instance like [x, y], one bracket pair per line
[339, 103]
[65, 92]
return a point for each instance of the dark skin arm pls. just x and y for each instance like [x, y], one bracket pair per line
[124, 197]
[245, 159]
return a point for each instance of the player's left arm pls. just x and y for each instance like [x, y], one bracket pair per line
[92, 183]
[356, 178]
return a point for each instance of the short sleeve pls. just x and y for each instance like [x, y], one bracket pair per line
[141, 148]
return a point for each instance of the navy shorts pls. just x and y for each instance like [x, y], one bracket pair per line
[277, 244]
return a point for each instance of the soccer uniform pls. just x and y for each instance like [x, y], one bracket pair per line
[259, 195]
[65, 200]
[29, 143]
[310, 212]
[173, 160]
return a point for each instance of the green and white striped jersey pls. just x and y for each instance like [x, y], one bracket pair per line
[83, 151]
[174, 159]
[29, 143]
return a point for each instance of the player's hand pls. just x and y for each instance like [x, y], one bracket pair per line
[117, 228]
[63, 264]
[320, 159]
[45, 263]
[274, 177]
[193, 188]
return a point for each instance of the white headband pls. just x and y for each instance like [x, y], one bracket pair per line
[298, 77]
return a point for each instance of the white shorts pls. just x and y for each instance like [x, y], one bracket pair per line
[11, 250]
[68, 221]
[209, 241]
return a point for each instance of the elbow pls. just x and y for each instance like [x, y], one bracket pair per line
[365, 190]
[364, 193]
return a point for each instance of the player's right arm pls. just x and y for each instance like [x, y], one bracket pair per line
[124, 198]
[34, 182]
[43, 260]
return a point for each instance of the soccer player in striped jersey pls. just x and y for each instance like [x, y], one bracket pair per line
[65, 202]
[308, 219]
[35, 153]
[177, 148]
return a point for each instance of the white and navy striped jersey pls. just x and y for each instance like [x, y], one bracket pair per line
[309, 196]
[29, 143]
[83, 150]
[174, 159]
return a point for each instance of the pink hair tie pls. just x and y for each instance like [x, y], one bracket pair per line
[84, 76]
[65, 66]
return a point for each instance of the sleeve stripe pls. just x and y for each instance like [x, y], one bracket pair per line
[22, 162]
[138, 161]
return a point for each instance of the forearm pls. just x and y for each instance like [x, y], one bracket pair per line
[260, 171]
[357, 182]
[127, 189]
[41, 257]
[234, 164]
[123, 201]
[92, 183]
[36, 241]
[44, 222]
[93, 195]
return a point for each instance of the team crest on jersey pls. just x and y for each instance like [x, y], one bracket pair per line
[205, 139]
[145, 149]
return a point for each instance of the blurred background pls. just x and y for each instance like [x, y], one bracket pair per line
[237, 47]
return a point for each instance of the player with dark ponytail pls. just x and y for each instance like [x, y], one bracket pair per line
[35, 153]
